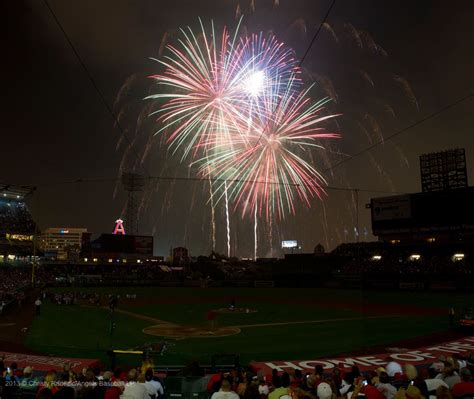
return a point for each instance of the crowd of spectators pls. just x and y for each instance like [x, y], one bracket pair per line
[447, 378]
[434, 265]
[12, 283]
[85, 298]
[91, 383]
[15, 218]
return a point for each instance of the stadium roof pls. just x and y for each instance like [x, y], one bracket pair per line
[12, 191]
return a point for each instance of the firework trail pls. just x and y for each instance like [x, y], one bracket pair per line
[325, 224]
[407, 90]
[331, 31]
[213, 216]
[353, 34]
[270, 235]
[374, 125]
[327, 86]
[367, 78]
[368, 42]
[227, 218]
[164, 40]
[238, 12]
[300, 25]
[124, 90]
[389, 109]
[403, 157]
[255, 235]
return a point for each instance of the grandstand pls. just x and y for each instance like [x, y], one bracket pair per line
[17, 228]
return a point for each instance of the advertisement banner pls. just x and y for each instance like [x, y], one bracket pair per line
[416, 357]
[46, 363]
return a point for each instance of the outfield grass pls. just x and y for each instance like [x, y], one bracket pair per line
[85, 331]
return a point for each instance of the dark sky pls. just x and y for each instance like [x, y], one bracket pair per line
[55, 128]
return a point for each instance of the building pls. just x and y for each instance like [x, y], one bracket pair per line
[62, 242]
[441, 212]
[428, 216]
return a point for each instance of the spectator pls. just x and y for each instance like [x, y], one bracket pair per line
[133, 388]
[297, 380]
[466, 386]
[385, 387]
[48, 384]
[65, 391]
[115, 389]
[432, 384]
[263, 388]
[154, 388]
[411, 392]
[38, 306]
[318, 370]
[324, 391]
[252, 392]
[443, 393]
[279, 390]
[393, 368]
[449, 376]
[225, 392]
[363, 387]
[90, 384]
[27, 382]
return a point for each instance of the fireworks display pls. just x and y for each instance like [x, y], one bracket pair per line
[238, 109]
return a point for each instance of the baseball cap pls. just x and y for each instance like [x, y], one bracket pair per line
[324, 391]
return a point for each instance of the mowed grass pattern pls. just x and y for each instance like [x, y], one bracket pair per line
[84, 331]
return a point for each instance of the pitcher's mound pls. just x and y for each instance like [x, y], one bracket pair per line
[235, 310]
[174, 331]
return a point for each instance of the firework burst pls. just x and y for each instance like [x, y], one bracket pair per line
[238, 108]
[265, 170]
[210, 86]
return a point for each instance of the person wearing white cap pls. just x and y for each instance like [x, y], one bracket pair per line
[324, 391]
[393, 368]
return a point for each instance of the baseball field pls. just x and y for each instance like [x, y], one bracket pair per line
[266, 324]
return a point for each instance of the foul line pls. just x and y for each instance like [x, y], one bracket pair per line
[286, 323]
[143, 317]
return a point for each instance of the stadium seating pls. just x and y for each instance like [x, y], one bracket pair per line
[15, 218]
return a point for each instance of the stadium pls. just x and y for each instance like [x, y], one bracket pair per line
[240, 199]
[110, 303]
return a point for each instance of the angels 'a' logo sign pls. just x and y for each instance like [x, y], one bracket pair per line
[119, 229]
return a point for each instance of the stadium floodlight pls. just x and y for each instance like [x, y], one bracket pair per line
[458, 257]
[376, 257]
[415, 257]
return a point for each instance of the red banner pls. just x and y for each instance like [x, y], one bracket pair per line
[46, 363]
[422, 356]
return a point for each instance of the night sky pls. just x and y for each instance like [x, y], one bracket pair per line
[56, 129]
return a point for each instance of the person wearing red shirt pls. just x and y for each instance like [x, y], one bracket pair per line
[466, 386]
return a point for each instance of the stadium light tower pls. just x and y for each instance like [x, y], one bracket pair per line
[133, 183]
